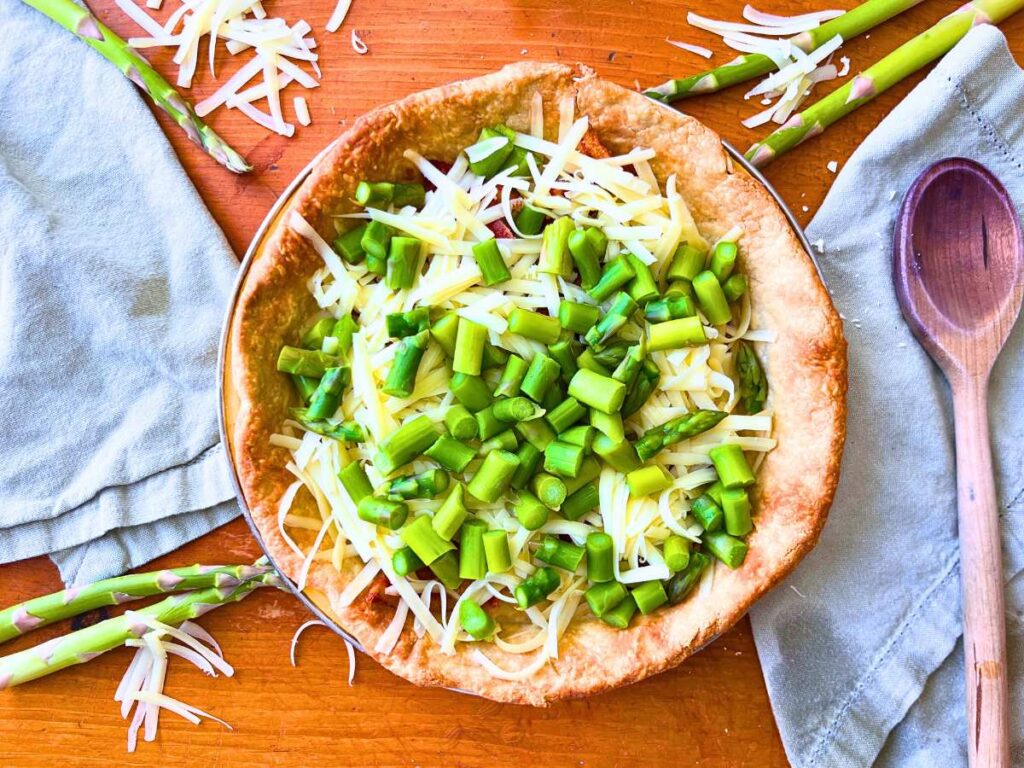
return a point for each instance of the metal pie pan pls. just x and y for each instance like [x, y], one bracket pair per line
[250, 254]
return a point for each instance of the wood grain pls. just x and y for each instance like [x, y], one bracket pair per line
[712, 711]
[959, 274]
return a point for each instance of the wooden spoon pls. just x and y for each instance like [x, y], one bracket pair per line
[958, 266]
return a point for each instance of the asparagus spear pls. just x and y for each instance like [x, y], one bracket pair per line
[753, 384]
[41, 611]
[901, 63]
[86, 644]
[852, 23]
[80, 22]
[675, 431]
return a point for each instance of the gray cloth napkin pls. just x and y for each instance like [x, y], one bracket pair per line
[113, 283]
[860, 647]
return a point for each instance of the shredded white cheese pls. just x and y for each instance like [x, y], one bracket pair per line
[301, 110]
[358, 45]
[338, 16]
[242, 25]
[697, 49]
[797, 71]
[635, 213]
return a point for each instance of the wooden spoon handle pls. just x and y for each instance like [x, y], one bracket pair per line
[981, 573]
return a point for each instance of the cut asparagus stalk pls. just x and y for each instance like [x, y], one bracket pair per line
[41, 611]
[878, 78]
[86, 644]
[852, 23]
[81, 23]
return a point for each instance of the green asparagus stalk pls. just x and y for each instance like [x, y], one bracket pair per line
[86, 644]
[42, 611]
[80, 22]
[878, 78]
[753, 384]
[852, 23]
[345, 431]
[676, 430]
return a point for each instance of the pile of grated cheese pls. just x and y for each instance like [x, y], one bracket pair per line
[635, 214]
[277, 52]
[783, 91]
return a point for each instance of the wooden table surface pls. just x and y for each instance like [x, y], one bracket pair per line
[711, 711]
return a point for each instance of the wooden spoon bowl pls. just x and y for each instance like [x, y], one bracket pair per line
[958, 266]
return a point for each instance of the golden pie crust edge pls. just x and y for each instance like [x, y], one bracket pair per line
[806, 369]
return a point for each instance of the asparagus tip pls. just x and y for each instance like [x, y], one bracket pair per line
[87, 27]
[132, 73]
[863, 87]
[980, 15]
[24, 621]
[804, 41]
[760, 154]
[138, 628]
[166, 580]
[658, 93]
[796, 121]
[707, 84]
[46, 650]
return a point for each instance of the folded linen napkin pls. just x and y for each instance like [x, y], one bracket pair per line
[113, 283]
[860, 647]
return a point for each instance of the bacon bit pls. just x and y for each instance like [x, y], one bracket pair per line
[501, 230]
[591, 146]
[375, 593]
[442, 166]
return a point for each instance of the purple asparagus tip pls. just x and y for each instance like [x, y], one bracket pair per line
[815, 130]
[88, 656]
[176, 102]
[803, 41]
[133, 74]
[203, 608]
[192, 133]
[863, 87]
[166, 580]
[762, 155]
[980, 16]
[226, 580]
[5, 679]
[138, 628]
[47, 649]
[88, 27]
[209, 568]
[24, 621]
[121, 597]
[796, 121]
[69, 595]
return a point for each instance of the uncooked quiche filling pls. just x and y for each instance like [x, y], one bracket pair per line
[531, 387]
